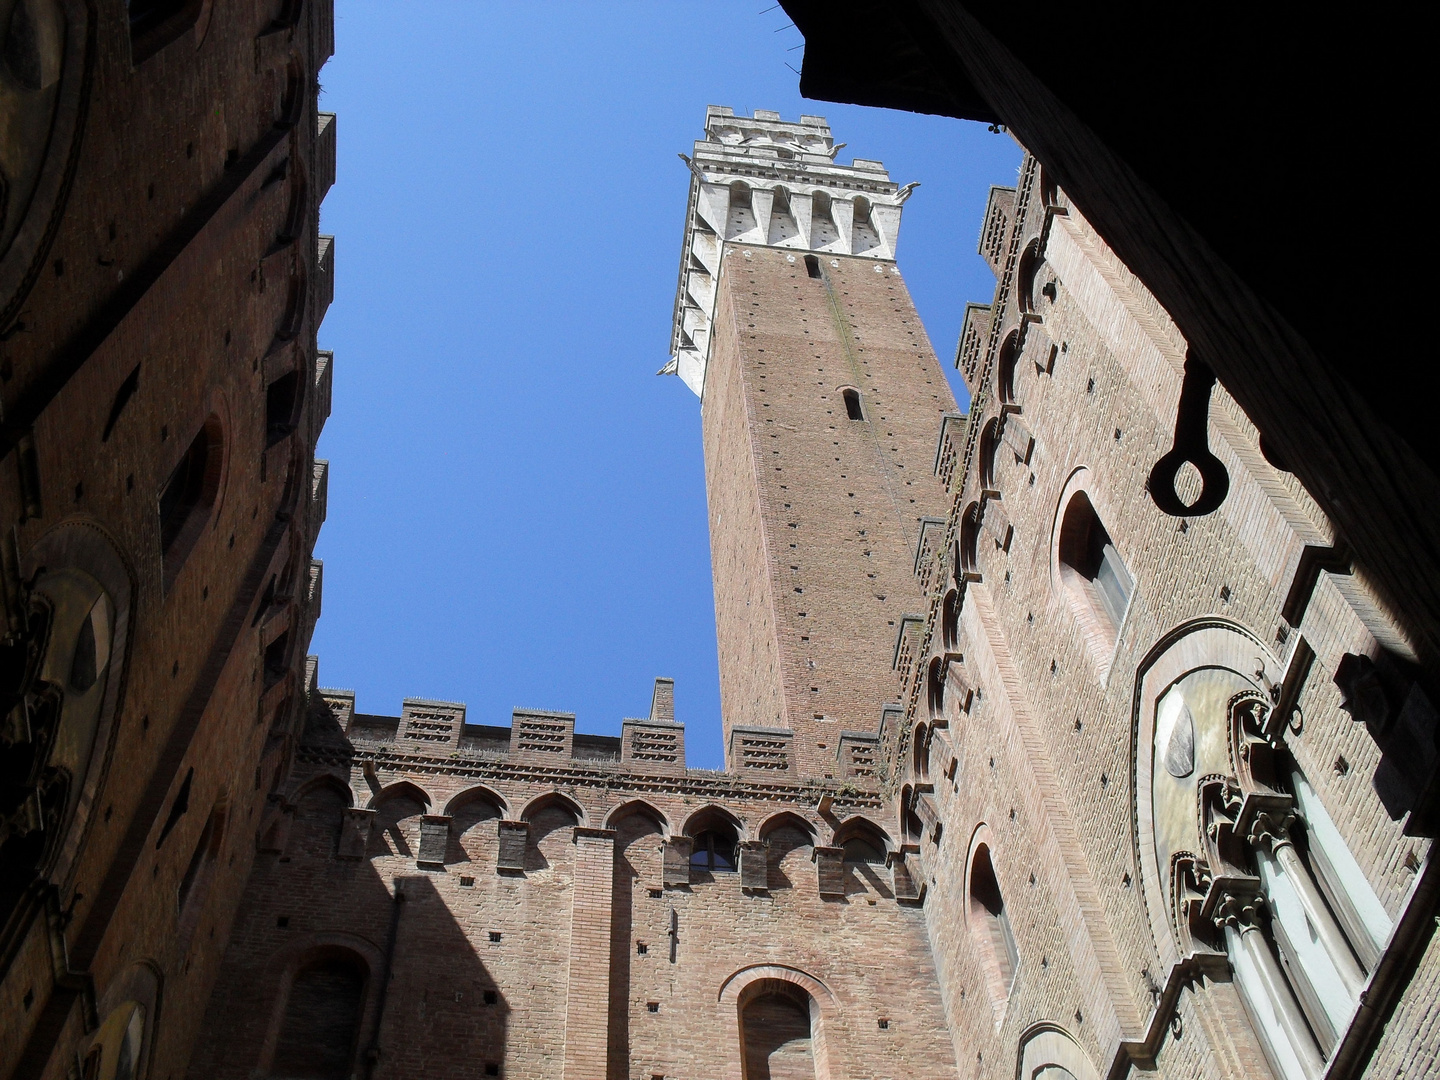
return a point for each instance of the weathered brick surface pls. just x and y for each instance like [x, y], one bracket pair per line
[564, 929]
[183, 253]
[571, 924]
[815, 518]
[1044, 759]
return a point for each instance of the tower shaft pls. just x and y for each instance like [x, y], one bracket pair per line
[822, 400]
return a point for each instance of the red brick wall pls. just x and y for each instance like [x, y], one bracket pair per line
[814, 518]
[164, 257]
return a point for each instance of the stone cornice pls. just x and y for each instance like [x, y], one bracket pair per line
[845, 796]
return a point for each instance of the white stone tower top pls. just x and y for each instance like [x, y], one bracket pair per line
[763, 182]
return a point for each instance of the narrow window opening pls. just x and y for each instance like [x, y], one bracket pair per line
[275, 659]
[205, 851]
[812, 266]
[990, 923]
[864, 849]
[950, 621]
[188, 495]
[1092, 569]
[852, 404]
[989, 454]
[178, 808]
[935, 685]
[281, 398]
[1009, 361]
[967, 559]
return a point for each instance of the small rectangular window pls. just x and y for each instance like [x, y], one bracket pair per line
[812, 266]
[852, 404]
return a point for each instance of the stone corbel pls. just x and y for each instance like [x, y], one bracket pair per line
[909, 885]
[957, 686]
[830, 869]
[434, 840]
[676, 861]
[355, 833]
[755, 865]
[514, 840]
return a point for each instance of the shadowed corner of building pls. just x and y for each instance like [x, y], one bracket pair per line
[384, 984]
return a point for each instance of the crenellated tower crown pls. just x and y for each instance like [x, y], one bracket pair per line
[763, 182]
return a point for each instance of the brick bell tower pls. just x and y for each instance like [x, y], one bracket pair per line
[822, 402]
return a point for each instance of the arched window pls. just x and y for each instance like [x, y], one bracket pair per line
[989, 454]
[473, 836]
[321, 1027]
[70, 628]
[715, 838]
[396, 830]
[950, 621]
[935, 687]
[775, 1032]
[990, 927]
[552, 834]
[968, 549]
[920, 753]
[319, 815]
[852, 404]
[741, 218]
[1093, 573]
[864, 849]
[189, 494]
[1006, 369]
[1031, 266]
[911, 827]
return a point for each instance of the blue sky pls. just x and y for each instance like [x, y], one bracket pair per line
[517, 502]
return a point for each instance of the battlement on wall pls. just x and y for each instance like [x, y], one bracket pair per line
[655, 743]
[535, 736]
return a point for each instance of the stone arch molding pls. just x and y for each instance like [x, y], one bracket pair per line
[1049, 1052]
[476, 793]
[736, 991]
[555, 798]
[637, 808]
[328, 780]
[1203, 644]
[285, 963]
[46, 99]
[401, 789]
